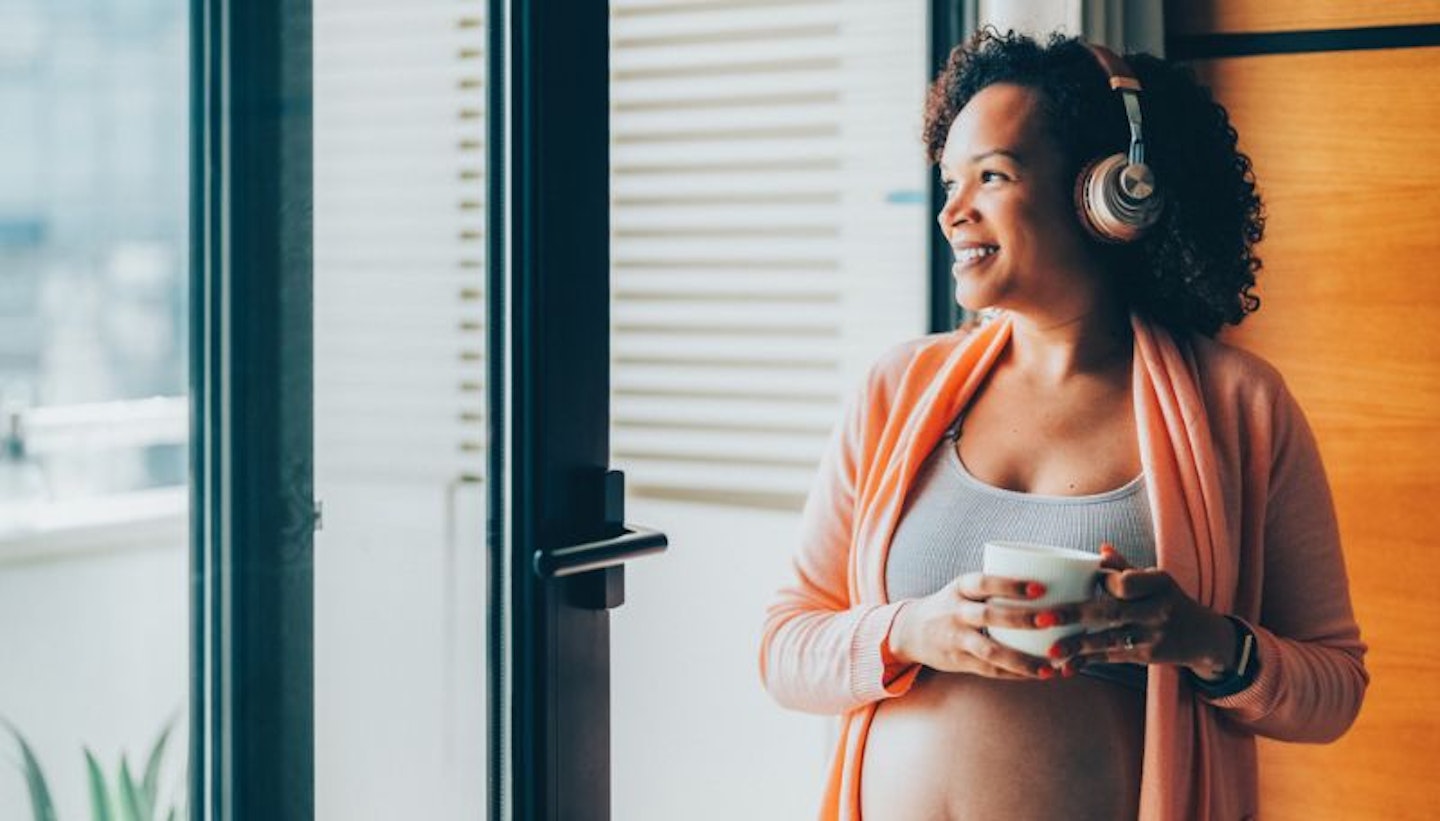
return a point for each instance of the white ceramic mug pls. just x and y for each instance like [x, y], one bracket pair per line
[1068, 576]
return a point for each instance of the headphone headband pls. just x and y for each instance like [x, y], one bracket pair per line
[1123, 80]
[1115, 67]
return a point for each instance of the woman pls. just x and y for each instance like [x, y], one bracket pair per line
[1094, 411]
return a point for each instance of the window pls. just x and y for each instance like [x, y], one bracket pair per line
[93, 313]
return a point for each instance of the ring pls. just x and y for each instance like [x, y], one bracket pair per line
[1129, 642]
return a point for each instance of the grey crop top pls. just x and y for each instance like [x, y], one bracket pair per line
[950, 514]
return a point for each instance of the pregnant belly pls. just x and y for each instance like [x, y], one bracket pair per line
[966, 747]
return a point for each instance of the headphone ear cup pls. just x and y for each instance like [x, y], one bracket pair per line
[1116, 201]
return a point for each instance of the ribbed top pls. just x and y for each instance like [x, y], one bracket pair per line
[950, 515]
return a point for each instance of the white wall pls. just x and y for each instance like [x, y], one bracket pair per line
[694, 735]
[94, 651]
[399, 653]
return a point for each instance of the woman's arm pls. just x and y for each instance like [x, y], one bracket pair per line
[1312, 675]
[820, 652]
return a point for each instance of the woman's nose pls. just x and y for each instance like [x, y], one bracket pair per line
[958, 208]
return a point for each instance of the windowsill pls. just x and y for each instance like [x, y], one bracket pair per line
[140, 520]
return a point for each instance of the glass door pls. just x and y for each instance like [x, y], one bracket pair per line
[717, 218]
[400, 121]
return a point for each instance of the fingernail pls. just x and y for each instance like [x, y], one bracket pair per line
[1034, 590]
[1106, 547]
[1046, 618]
[1056, 651]
[1046, 673]
[1068, 671]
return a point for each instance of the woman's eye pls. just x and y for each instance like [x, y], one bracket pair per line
[992, 176]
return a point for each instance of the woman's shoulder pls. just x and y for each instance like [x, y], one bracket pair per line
[1230, 371]
[924, 353]
[1229, 361]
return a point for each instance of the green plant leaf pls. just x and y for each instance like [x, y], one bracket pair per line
[131, 804]
[150, 788]
[41, 805]
[99, 793]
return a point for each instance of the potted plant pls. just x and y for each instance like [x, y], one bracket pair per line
[122, 798]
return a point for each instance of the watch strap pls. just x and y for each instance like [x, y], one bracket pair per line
[1246, 667]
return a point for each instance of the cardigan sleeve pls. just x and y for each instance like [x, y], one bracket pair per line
[1312, 675]
[821, 652]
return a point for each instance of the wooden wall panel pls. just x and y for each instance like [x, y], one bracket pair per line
[1346, 147]
[1217, 16]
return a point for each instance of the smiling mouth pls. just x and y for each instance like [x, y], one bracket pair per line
[973, 254]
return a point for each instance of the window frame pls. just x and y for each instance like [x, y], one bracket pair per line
[253, 513]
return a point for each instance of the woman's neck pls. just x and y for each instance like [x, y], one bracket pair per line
[1051, 349]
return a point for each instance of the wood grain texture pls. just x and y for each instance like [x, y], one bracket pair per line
[1346, 148]
[1230, 16]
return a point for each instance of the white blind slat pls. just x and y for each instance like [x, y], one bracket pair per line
[755, 316]
[707, 479]
[801, 51]
[815, 219]
[796, 184]
[805, 147]
[740, 118]
[630, 30]
[661, 379]
[702, 91]
[744, 286]
[760, 351]
[755, 248]
[722, 412]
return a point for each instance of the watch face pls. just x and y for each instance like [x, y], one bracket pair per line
[1247, 647]
[1246, 667]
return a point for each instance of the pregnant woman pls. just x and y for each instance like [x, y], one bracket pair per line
[1103, 220]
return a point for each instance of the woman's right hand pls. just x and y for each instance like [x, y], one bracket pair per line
[944, 630]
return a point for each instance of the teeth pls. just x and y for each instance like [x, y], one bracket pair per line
[974, 252]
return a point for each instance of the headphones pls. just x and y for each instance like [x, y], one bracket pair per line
[1116, 196]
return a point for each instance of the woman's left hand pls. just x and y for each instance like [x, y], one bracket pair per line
[1148, 619]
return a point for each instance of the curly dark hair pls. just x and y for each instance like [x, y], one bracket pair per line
[1192, 271]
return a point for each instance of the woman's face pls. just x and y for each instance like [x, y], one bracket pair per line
[1008, 214]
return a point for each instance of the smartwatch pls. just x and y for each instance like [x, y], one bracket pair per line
[1239, 678]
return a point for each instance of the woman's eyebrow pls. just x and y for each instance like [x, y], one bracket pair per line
[1010, 154]
[1002, 152]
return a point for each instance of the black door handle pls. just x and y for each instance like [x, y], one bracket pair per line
[604, 589]
[635, 542]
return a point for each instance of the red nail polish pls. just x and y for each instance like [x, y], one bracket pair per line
[1106, 547]
[1034, 590]
[1045, 618]
[1056, 651]
[1046, 673]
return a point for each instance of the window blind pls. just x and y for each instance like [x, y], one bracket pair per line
[399, 125]
[767, 232]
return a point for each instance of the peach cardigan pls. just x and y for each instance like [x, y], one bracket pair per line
[1243, 519]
